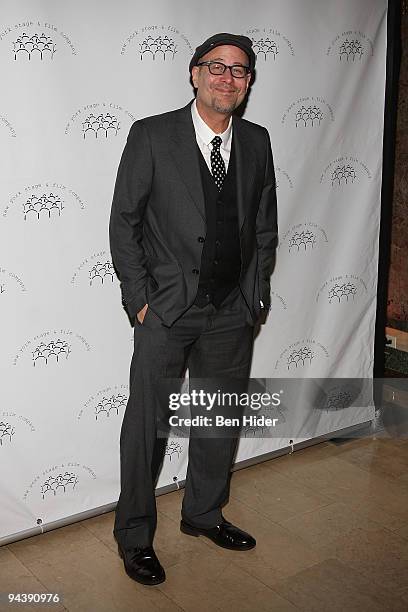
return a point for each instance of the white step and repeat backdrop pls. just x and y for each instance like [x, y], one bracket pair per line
[74, 78]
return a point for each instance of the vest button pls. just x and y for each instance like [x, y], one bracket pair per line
[195, 271]
[200, 239]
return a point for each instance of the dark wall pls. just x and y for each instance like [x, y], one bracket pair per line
[397, 310]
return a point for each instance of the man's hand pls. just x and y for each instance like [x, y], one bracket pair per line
[142, 313]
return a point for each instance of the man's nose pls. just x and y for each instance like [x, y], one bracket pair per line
[228, 76]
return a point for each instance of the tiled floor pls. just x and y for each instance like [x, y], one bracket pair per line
[331, 522]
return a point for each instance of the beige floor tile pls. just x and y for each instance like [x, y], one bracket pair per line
[387, 505]
[215, 582]
[16, 578]
[332, 476]
[331, 585]
[402, 532]
[381, 456]
[90, 576]
[272, 494]
[322, 527]
[278, 553]
[170, 504]
[379, 555]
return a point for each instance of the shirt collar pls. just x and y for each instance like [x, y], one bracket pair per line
[204, 132]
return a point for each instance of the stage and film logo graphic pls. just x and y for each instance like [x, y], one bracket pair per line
[96, 270]
[282, 178]
[11, 424]
[58, 481]
[32, 41]
[106, 404]
[303, 238]
[43, 202]
[345, 394]
[99, 121]
[5, 123]
[157, 43]
[173, 450]
[301, 354]
[50, 348]
[308, 112]
[269, 43]
[277, 301]
[344, 289]
[344, 171]
[10, 282]
[351, 47]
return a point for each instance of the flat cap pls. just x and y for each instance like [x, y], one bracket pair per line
[243, 42]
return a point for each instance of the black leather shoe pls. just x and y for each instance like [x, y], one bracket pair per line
[142, 565]
[225, 534]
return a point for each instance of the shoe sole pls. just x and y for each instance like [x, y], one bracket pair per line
[193, 531]
[139, 580]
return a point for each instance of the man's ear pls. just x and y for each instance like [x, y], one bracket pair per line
[194, 75]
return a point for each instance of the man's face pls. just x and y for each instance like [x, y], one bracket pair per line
[222, 93]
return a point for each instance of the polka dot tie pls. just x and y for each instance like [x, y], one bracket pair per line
[217, 163]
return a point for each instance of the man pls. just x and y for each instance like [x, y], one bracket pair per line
[193, 234]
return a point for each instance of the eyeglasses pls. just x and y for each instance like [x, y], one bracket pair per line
[237, 71]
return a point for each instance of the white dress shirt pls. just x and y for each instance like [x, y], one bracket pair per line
[204, 136]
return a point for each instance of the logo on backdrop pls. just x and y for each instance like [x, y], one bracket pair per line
[106, 405]
[301, 354]
[173, 450]
[308, 112]
[303, 238]
[345, 289]
[282, 178]
[58, 481]
[10, 283]
[36, 41]
[11, 425]
[50, 349]
[344, 171]
[157, 44]
[7, 432]
[351, 47]
[5, 123]
[277, 301]
[269, 43]
[43, 203]
[100, 121]
[338, 398]
[95, 271]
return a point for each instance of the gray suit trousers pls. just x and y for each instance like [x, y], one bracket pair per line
[211, 343]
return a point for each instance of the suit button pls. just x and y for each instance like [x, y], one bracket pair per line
[200, 239]
[217, 243]
[215, 262]
[195, 271]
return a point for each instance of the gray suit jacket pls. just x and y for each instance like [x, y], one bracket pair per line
[158, 215]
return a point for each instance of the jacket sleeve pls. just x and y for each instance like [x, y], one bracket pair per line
[267, 228]
[131, 195]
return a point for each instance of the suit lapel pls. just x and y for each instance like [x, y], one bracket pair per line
[185, 155]
[246, 167]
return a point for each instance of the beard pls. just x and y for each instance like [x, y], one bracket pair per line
[223, 108]
[224, 104]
